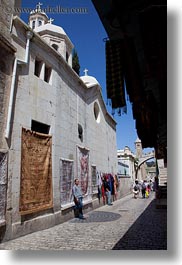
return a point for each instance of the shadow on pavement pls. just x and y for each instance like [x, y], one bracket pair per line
[149, 232]
[98, 216]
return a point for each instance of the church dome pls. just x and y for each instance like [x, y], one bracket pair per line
[38, 11]
[89, 80]
[54, 35]
[51, 28]
[138, 140]
[37, 17]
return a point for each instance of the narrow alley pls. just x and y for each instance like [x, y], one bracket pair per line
[129, 224]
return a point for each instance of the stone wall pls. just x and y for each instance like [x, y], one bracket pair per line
[5, 18]
[125, 184]
[7, 51]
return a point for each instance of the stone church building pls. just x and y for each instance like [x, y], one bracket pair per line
[55, 128]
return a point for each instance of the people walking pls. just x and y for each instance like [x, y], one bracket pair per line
[78, 199]
[147, 192]
[107, 191]
[143, 189]
[103, 191]
[116, 184]
[136, 189]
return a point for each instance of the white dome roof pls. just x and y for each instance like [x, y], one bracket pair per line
[138, 140]
[52, 28]
[89, 80]
[35, 11]
[38, 10]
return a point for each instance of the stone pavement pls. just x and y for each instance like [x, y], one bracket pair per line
[128, 224]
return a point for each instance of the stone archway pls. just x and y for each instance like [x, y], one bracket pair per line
[142, 160]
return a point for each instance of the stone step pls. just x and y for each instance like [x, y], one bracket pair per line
[162, 176]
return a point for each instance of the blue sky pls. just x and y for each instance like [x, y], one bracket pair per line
[86, 32]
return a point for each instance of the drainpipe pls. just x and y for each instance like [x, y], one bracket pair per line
[12, 90]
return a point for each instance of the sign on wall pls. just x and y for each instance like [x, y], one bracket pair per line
[36, 172]
[83, 168]
[94, 179]
[66, 180]
[3, 185]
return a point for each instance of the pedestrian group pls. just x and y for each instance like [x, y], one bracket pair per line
[144, 187]
[107, 188]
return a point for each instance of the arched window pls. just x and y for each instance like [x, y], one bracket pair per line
[55, 46]
[96, 112]
[67, 56]
[40, 22]
[33, 24]
[38, 67]
[80, 132]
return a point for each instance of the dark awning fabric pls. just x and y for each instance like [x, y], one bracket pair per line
[132, 73]
[154, 40]
[122, 65]
[114, 73]
[140, 59]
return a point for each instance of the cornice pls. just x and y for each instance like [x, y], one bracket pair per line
[7, 45]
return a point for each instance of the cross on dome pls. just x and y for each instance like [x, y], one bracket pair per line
[38, 6]
[90, 81]
[86, 71]
[50, 20]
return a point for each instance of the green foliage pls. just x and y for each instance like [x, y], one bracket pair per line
[75, 62]
[136, 160]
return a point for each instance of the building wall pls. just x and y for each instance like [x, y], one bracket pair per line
[62, 104]
[7, 57]
[5, 18]
[125, 184]
[126, 181]
[60, 42]
[6, 12]
[101, 136]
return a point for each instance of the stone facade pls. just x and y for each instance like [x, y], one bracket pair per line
[139, 152]
[7, 51]
[126, 171]
[127, 158]
[56, 97]
[7, 55]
